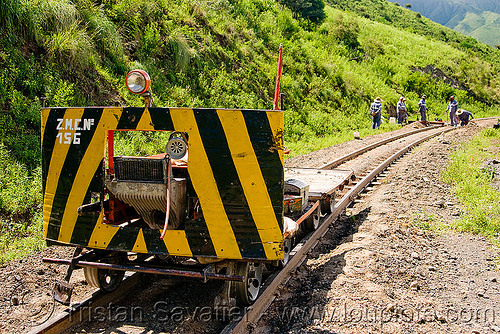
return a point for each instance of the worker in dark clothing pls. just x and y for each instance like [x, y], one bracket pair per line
[453, 107]
[401, 110]
[422, 108]
[376, 112]
[463, 116]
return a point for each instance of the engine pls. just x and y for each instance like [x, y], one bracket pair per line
[142, 182]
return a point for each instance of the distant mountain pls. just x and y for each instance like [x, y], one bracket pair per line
[477, 18]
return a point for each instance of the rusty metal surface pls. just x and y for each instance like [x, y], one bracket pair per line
[149, 270]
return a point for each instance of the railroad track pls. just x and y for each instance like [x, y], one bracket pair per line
[78, 313]
[300, 252]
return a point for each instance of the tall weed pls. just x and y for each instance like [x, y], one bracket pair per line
[472, 185]
[72, 46]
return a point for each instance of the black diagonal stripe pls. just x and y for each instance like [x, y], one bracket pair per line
[262, 138]
[49, 140]
[228, 183]
[124, 239]
[129, 118]
[154, 244]
[68, 173]
[161, 118]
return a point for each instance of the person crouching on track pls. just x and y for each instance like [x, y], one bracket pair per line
[453, 107]
[463, 116]
[422, 108]
[376, 111]
[401, 110]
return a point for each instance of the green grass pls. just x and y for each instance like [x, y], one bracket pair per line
[303, 147]
[472, 186]
[19, 239]
[429, 222]
[20, 208]
[140, 143]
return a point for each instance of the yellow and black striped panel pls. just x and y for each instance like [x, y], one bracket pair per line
[235, 170]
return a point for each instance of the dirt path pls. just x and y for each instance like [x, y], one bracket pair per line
[384, 271]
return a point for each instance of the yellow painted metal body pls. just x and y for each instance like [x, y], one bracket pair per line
[235, 169]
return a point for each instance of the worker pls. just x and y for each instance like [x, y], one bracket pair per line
[401, 110]
[422, 108]
[453, 107]
[463, 116]
[376, 112]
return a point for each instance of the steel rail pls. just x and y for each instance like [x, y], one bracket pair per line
[347, 157]
[80, 312]
[254, 312]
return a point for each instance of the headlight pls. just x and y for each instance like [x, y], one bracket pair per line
[138, 81]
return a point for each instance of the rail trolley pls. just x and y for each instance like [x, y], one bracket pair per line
[214, 205]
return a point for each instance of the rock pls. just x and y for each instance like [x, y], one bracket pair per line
[415, 286]
[415, 255]
[432, 268]
[440, 204]
[391, 307]
[494, 279]
[40, 271]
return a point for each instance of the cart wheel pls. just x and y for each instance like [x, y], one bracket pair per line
[312, 222]
[287, 248]
[248, 290]
[107, 280]
[91, 276]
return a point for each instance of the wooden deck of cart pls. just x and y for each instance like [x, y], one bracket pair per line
[321, 182]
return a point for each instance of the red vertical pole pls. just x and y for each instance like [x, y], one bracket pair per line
[278, 78]
[111, 152]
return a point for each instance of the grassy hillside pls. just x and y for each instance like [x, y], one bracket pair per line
[223, 54]
[478, 19]
[483, 26]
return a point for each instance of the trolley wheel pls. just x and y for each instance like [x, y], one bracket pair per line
[248, 290]
[312, 222]
[91, 276]
[107, 280]
[287, 248]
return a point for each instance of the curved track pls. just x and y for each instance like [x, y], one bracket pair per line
[300, 252]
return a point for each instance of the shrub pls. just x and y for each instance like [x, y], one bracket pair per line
[346, 30]
[20, 191]
[312, 10]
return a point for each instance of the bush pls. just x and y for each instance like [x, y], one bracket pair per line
[312, 10]
[345, 30]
